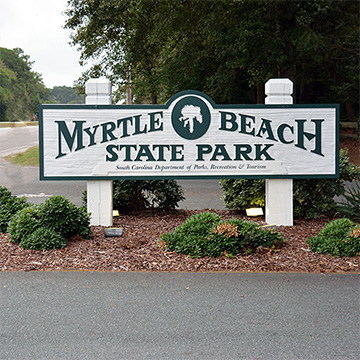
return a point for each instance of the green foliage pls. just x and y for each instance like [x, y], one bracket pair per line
[205, 234]
[167, 194]
[63, 216]
[348, 171]
[315, 197]
[129, 195]
[30, 157]
[312, 197]
[191, 237]
[241, 194]
[66, 95]
[141, 194]
[251, 236]
[43, 239]
[9, 205]
[351, 208]
[214, 46]
[134, 195]
[23, 223]
[338, 238]
[21, 89]
[49, 225]
[223, 239]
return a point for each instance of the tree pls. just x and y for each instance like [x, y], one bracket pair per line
[227, 48]
[6, 78]
[21, 89]
[66, 95]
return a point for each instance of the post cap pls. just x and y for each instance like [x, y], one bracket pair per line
[98, 86]
[278, 87]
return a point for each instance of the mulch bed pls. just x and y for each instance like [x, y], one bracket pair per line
[138, 250]
[353, 146]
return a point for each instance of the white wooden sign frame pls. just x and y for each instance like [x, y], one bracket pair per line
[189, 137]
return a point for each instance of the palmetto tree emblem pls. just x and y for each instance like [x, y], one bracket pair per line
[190, 117]
[190, 114]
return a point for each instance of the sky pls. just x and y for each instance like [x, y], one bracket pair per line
[36, 26]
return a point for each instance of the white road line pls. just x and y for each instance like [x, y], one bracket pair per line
[34, 195]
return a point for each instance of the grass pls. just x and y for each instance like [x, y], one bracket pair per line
[28, 158]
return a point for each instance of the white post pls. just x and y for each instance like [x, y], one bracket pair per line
[279, 192]
[99, 192]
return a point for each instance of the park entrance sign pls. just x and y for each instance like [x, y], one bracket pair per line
[188, 137]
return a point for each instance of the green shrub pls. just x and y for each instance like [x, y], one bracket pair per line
[142, 194]
[251, 236]
[49, 225]
[241, 194]
[167, 194]
[351, 207]
[43, 239]
[23, 223]
[206, 234]
[312, 197]
[315, 197]
[61, 215]
[338, 238]
[224, 238]
[9, 205]
[130, 195]
[189, 238]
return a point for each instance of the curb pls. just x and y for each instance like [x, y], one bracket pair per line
[8, 124]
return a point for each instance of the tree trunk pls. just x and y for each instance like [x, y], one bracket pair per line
[260, 93]
[153, 98]
[350, 112]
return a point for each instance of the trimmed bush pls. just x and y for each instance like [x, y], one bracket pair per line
[206, 234]
[315, 197]
[43, 239]
[131, 195]
[190, 237]
[241, 194]
[49, 225]
[61, 215]
[251, 236]
[338, 238]
[135, 195]
[167, 194]
[9, 205]
[224, 238]
[23, 223]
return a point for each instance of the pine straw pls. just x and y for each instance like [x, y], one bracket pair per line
[138, 250]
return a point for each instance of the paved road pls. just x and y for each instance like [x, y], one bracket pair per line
[178, 316]
[25, 180]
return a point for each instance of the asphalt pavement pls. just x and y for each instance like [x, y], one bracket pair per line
[168, 316]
